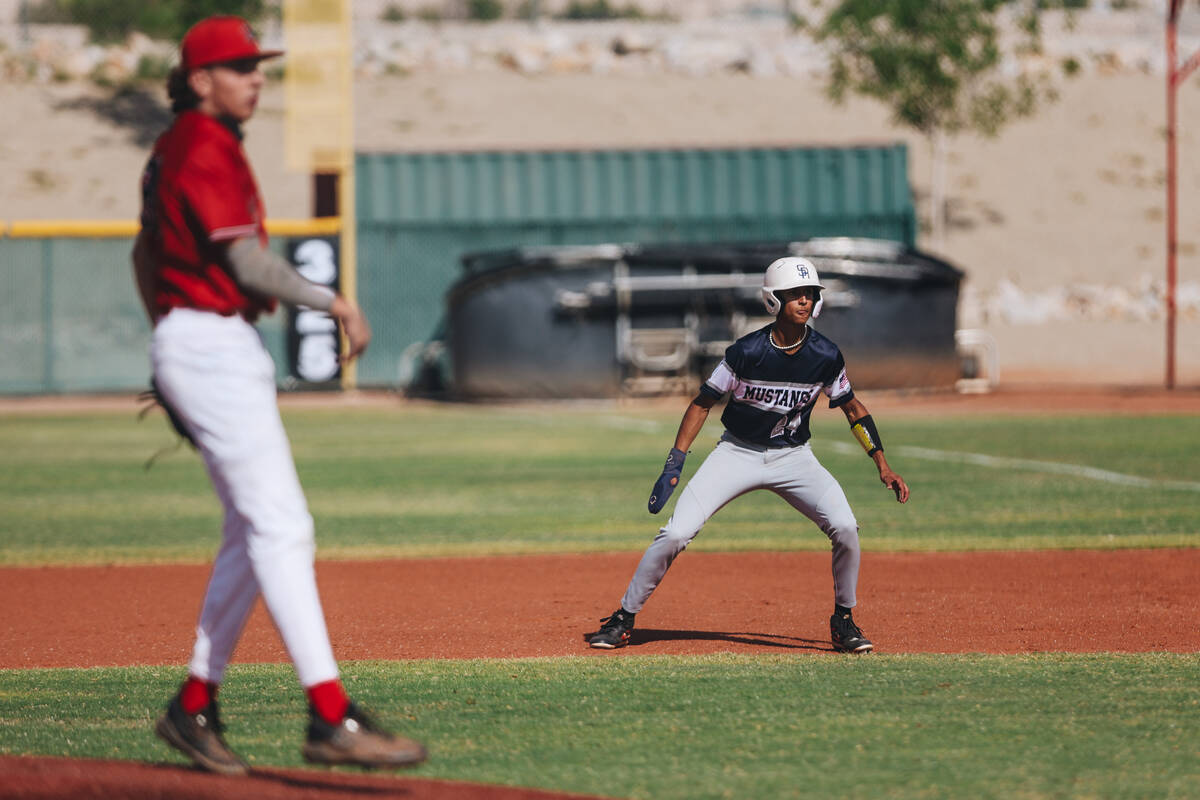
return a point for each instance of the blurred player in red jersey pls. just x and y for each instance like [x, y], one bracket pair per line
[204, 274]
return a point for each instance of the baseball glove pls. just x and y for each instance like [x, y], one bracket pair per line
[667, 481]
[151, 398]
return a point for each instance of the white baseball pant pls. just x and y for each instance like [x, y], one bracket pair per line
[220, 379]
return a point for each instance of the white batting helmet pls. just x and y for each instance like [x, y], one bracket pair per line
[789, 272]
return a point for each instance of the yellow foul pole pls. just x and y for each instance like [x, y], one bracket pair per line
[346, 208]
[319, 114]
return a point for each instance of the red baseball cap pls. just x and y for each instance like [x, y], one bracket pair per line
[218, 40]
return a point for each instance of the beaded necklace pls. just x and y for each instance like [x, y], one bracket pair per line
[791, 346]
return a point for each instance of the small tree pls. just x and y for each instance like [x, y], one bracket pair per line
[112, 20]
[485, 10]
[935, 63]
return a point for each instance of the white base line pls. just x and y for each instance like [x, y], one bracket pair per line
[1073, 470]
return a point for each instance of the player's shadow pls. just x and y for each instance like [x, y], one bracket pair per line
[646, 635]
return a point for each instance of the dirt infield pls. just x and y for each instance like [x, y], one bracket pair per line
[24, 778]
[1072, 601]
[1001, 602]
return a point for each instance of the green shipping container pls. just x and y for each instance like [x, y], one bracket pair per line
[418, 213]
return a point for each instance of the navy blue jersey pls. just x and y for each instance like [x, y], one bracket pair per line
[772, 393]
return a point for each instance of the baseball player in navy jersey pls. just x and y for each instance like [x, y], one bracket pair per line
[773, 378]
[204, 274]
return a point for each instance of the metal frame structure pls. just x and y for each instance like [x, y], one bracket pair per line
[1176, 74]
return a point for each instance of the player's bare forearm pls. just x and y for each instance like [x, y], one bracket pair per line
[856, 412]
[693, 421]
[143, 273]
[890, 478]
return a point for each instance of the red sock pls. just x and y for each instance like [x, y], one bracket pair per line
[330, 701]
[195, 694]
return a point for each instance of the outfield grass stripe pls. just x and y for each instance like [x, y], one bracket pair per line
[1053, 467]
[920, 727]
[447, 480]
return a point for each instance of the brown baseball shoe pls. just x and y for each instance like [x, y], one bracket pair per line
[198, 736]
[358, 740]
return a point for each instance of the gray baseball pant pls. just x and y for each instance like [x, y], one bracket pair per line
[734, 468]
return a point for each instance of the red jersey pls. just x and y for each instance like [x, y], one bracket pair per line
[198, 195]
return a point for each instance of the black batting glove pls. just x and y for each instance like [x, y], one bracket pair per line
[667, 482]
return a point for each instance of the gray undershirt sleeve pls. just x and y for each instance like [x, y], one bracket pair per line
[262, 271]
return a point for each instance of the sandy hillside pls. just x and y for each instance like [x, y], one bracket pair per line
[1059, 222]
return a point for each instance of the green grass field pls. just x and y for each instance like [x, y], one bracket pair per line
[470, 480]
[698, 727]
[465, 480]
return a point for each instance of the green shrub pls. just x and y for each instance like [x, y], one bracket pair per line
[393, 13]
[600, 9]
[484, 10]
[113, 20]
[152, 68]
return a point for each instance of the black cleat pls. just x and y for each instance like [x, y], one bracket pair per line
[846, 636]
[198, 736]
[614, 631]
[359, 741]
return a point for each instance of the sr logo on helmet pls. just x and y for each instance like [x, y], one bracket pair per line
[789, 272]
